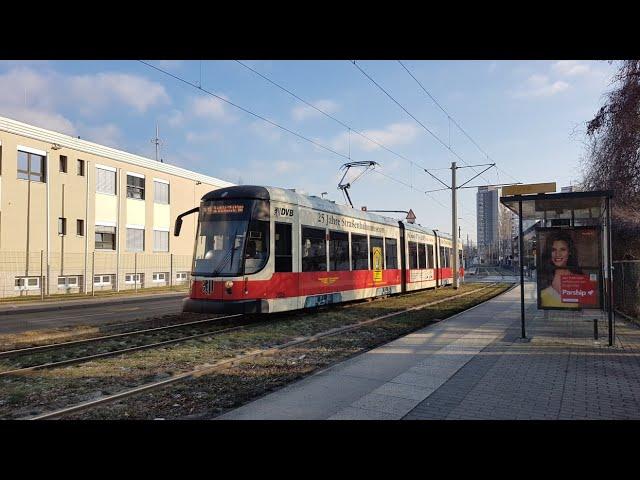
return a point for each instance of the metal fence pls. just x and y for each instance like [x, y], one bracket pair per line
[96, 273]
[626, 287]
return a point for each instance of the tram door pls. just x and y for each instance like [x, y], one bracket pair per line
[285, 281]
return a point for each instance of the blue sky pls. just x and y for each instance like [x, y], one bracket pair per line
[527, 115]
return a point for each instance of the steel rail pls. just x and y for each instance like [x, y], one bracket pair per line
[204, 370]
[53, 346]
[113, 353]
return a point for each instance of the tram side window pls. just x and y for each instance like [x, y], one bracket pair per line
[430, 256]
[338, 251]
[375, 242]
[391, 253]
[413, 255]
[445, 254]
[284, 260]
[359, 254]
[314, 253]
[422, 255]
[257, 249]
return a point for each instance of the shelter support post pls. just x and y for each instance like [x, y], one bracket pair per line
[609, 274]
[521, 240]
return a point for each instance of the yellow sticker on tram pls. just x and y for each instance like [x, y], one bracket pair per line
[377, 264]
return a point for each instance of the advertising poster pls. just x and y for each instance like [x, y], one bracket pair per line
[569, 268]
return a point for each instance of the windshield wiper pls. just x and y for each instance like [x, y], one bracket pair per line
[227, 256]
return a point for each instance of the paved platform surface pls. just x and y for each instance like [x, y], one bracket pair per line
[472, 366]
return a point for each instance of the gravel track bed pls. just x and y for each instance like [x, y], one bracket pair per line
[211, 395]
[48, 390]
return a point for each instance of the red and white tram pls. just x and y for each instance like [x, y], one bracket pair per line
[266, 249]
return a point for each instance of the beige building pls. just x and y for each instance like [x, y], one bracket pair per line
[77, 216]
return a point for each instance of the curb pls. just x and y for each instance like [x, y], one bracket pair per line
[90, 303]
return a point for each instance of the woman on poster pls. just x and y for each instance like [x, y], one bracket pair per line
[559, 258]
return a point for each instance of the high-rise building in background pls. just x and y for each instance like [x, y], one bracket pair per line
[487, 211]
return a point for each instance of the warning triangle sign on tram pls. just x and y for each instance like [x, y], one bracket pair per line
[411, 217]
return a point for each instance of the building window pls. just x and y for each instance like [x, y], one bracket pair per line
[31, 167]
[160, 277]
[161, 192]
[105, 181]
[62, 226]
[160, 241]
[181, 276]
[135, 187]
[81, 167]
[135, 240]
[132, 278]
[105, 238]
[27, 283]
[67, 282]
[80, 227]
[102, 280]
[63, 163]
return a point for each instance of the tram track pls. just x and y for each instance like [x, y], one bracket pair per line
[49, 348]
[241, 358]
[111, 353]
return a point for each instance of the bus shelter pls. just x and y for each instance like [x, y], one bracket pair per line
[572, 250]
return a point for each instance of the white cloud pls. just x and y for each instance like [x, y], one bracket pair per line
[210, 107]
[284, 166]
[102, 89]
[40, 118]
[204, 137]
[265, 130]
[540, 86]
[393, 134]
[44, 90]
[570, 68]
[303, 112]
[175, 118]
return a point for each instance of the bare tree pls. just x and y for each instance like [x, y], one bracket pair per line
[613, 157]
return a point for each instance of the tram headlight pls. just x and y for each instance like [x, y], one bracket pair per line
[228, 285]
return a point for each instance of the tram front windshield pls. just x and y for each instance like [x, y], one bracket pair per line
[232, 238]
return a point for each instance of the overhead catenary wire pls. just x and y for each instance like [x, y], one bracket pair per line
[199, 87]
[328, 115]
[451, 119]
[448, 147]
[271, 122]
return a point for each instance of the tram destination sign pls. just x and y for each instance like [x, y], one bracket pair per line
[222, 209]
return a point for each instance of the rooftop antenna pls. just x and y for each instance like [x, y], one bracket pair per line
[157, 143]
[368, 165]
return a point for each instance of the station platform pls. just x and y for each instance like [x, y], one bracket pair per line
[474, 366]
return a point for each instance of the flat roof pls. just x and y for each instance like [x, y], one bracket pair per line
[559, 205]
[24, 129]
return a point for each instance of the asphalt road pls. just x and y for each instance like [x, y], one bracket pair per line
[93, 315]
